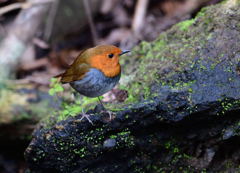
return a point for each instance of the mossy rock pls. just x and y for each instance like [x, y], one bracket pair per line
[22, 107]
[181, 113]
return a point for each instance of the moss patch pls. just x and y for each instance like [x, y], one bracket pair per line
[16, 106]
[183, 26]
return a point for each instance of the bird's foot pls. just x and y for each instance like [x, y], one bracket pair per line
[85, 115]
[101, 109]
[110, 113]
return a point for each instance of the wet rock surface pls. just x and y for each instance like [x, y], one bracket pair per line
[185, 115]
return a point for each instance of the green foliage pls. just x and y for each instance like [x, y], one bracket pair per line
[55, 87]
[76, 108]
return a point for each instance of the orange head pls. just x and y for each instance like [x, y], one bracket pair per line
[105, 58]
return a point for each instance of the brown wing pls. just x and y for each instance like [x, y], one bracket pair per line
[76, 70]
[74, 73]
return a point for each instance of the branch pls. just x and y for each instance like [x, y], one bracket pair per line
[20, 5]
[90, 21]
[139, 15]
[22, 31]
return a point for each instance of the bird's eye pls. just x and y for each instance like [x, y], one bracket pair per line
[110, 55]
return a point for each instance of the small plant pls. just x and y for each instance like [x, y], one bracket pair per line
[77, 107]
[55, 87]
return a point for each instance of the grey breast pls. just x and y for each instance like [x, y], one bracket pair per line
[95, 83]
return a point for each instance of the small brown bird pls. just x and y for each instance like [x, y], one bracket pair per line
[94, 72]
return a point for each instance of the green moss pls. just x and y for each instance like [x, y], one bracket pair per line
[161, 44]
[15, 106]
[238, 25]
[124, 133]
[178, 154]
[202, 12]
[168, 144]
[177, 159]
[227, 105]
[184, 25]
[125, 139]
[167, 52]
[81, 152]
[113, 137]
[182, 85]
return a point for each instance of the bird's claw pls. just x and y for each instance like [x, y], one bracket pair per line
[109, 113]
[85, 115]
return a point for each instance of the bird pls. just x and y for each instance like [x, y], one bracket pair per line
[94, 72]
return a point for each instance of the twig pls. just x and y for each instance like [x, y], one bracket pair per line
[40, 43]
[90, 21]
[139, 15]
[34, 65]
[20, 5]
[11, 7]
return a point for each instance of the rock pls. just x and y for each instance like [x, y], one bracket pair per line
[109, 143]
[183, 102]
[22, 107]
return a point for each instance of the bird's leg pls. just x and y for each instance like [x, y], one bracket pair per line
[85, 115]
[105, 110]
[101, 103]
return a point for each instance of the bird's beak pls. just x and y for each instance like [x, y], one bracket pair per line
[123, 52]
